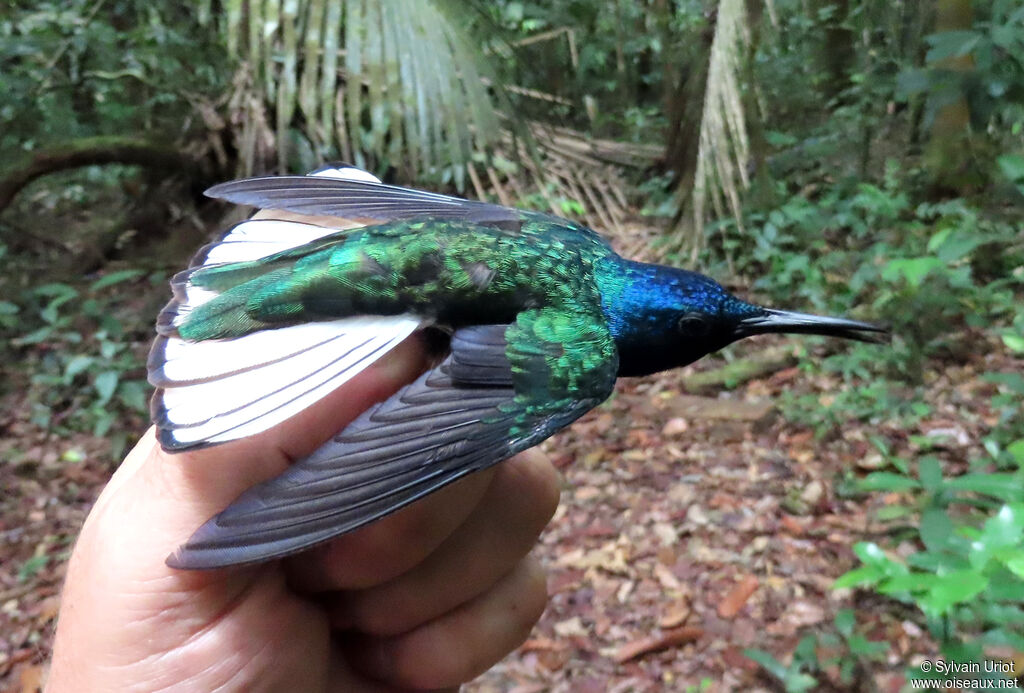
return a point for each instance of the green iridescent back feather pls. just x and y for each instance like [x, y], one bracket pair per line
[455, 272]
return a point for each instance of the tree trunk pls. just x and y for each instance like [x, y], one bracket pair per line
[838, 52]
[763, 183]
[952, 155]
[684, 99]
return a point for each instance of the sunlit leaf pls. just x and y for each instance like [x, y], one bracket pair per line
[1004, 530]
[888, 481]
[77, 364]
[1007, 487]
[953, 588]
[114, 278]
[1012, 166]
[936, 529]
[951, 44]
[1014, 342]
[105, 384]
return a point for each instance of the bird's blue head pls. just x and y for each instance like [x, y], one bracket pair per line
[663, 317]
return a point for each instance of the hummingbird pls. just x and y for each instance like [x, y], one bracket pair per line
[541, 318]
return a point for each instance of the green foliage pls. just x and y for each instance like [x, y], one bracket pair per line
[609, 64]
[968, 577]
[794, 678]
[993, 86]
[948, 276]
[967, 574]
[841, 647]
[930, 270]
[78, 67]
[83, 356]
[32, 566]
[934, 270]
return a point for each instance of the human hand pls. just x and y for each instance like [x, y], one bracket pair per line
[426, 598]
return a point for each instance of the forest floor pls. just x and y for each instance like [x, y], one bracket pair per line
[690, 529]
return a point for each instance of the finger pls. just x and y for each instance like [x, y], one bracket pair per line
[342, 678]
[504, 526]
[305, 432]
[391, 546]
[463, 643]
[161, 498]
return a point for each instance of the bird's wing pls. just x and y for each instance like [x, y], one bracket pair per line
[270, 232]
[217, 390]
[354, 198]
[502, 390]
[347, 198]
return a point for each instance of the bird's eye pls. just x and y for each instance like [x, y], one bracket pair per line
[694, 325]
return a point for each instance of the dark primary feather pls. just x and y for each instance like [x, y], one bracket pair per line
[478, 356]
[395, 453]
[348, 198]
[429, 434]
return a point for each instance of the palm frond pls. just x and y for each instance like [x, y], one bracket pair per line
[385, 82]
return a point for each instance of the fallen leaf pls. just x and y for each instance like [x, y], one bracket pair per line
[666, 533]
[553, 660]
[696, 515]
[682, 494]
[813, 492]
[609, 557]
[541, 643]
[666, 578]
[871, 462]
[31, 679]
[735, 659]
[676, 614]
[666, 555]
[792, 525]
[48, 610]
[603, 423]
[803, 613]
[666, 639]
[571, 626]
[675, 426]
[800, 438]
[737, 597]
[585, 493]
[624, 591]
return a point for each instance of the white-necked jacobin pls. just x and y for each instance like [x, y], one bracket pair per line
[542, 314]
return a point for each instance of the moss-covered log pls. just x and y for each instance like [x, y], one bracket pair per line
[741, 370]
[89, 151]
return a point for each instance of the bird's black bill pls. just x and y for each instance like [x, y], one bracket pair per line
[772, 321]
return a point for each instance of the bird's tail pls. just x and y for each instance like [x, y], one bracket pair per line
[219, 374]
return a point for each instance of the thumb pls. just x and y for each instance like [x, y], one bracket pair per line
[157, 499]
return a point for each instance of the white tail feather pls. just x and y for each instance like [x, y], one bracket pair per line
[218, 390]
[196, 406]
